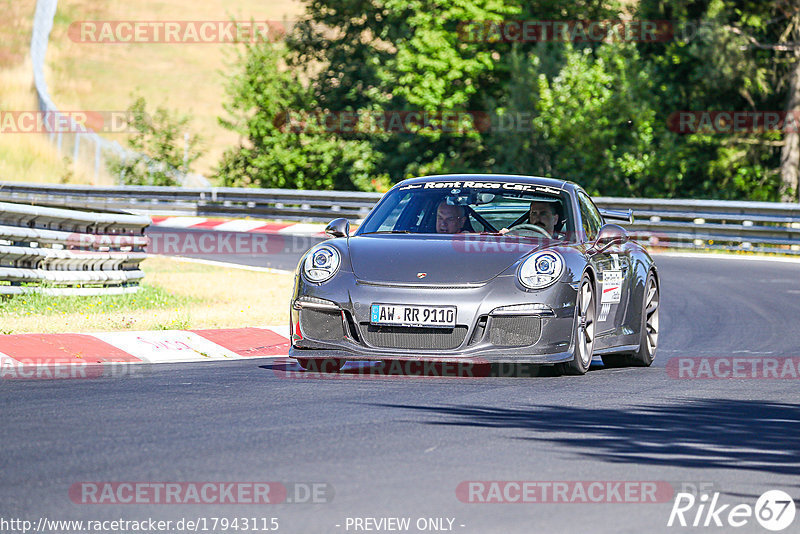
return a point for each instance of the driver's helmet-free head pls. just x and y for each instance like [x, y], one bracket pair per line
[553, 205]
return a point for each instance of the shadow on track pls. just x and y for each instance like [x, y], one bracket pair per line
[697, 433]
[466, 369]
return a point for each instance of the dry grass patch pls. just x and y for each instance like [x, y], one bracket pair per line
[230, 297]
[104, 77]
[188, 77]
[31, 157]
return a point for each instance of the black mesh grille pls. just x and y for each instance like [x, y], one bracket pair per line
[322, 325]
[514, 330]
[413, 337]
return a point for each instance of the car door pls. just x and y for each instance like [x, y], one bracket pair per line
[613, 267]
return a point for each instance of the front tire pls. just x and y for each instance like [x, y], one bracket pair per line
[583, 342]
[321, 365]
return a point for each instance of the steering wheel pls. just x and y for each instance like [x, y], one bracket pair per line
[529, 229]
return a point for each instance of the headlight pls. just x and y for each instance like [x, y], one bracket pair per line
[541, 270]
[321, 263]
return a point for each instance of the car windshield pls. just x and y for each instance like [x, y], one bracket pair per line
[448, 207]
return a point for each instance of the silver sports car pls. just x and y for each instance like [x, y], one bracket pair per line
[493, 267]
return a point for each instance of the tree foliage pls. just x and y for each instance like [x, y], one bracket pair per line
[277, 151]
[162, 146]
[597, 113]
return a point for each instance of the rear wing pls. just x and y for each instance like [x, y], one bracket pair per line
[618, 215]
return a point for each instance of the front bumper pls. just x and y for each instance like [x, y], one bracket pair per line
[332, 321]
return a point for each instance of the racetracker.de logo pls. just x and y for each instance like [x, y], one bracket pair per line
[176, 31]
[192, 243]
[177, 492]
[209, 492]
[733, 368]
[395, 368]
[65, 369]
[499, 244]
[74, 122]
[564, 492]
[733, 122]
[397, 122]
[565, 31]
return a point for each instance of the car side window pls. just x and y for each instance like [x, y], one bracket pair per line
[591, 218]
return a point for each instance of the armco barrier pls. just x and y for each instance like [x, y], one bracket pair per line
[705, 224]
[713, 224]
[69, 252]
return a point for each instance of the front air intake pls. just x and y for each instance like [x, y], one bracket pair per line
[322, 325]
[514, 330]
[411, 337]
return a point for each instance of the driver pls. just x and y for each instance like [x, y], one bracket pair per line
[542, 214]
[450, 219]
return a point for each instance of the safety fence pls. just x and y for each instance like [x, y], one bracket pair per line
[694, 224]
[69, 252]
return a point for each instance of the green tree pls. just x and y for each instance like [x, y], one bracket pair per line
[595, 112]
[716, 62]
[286, 142]
[162, 150]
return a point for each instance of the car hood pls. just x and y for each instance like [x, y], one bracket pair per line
[446, 259]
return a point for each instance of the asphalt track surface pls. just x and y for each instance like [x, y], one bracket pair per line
[400, 446]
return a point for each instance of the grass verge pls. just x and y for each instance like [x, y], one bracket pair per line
[175, 295]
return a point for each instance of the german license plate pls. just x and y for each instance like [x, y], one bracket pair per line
[412, 315]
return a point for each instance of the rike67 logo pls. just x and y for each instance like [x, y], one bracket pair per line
[774, 510]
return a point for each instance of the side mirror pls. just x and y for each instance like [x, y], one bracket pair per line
[610, 234]
[338, 228]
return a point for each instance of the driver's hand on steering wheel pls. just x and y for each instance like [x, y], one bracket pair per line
[503, 231]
